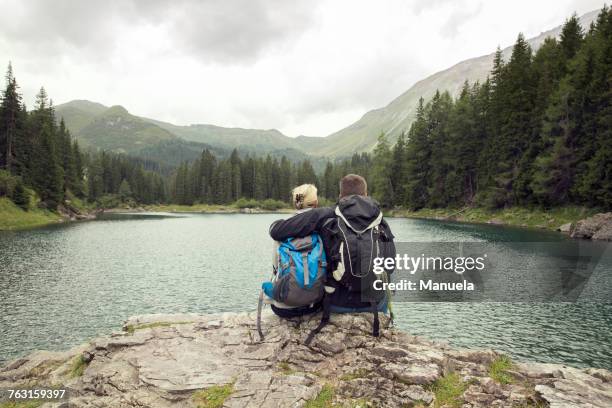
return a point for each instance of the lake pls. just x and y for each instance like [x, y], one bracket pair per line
[65, 284]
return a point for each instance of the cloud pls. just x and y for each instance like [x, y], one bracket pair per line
[230, 31]
[304, 67]
[216, 31]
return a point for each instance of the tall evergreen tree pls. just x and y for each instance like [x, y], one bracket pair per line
[10, 115]
[382, 189]
[418, 168]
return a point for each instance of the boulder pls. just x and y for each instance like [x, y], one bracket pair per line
[168, 360]
[566, 228]
[598, 227]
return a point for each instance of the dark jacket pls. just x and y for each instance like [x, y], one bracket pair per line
[301, 224]
[359, 211]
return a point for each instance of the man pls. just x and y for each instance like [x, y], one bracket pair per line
[353, 234]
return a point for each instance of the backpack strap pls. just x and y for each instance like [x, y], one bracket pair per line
[376, 323]
[374, 223]
[305, 268]
[259, 307]
[389, 304]
[275, 256]
[324, 319]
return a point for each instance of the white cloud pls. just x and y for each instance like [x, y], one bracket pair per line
[306, 67]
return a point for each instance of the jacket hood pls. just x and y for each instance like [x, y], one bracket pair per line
[359, 211]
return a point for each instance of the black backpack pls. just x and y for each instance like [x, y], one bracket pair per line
[351, 254]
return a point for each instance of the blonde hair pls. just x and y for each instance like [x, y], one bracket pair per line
[304, 196]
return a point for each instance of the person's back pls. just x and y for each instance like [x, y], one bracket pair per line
[353, 239]
[299, 265]
[354, 233]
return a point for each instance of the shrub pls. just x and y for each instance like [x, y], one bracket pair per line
[272, 205]
[21, 197]
[246, 203]
[7, 183]
[109, 201]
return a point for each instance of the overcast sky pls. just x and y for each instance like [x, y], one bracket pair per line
[303, 67]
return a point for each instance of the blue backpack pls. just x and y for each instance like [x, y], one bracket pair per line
[299, 275]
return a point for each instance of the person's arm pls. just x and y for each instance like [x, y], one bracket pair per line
[300, 225]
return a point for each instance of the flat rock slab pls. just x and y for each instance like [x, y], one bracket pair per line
[162, 360]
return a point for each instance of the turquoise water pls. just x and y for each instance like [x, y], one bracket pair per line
[62, 285]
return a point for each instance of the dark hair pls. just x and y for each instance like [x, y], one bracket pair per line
[353, 184]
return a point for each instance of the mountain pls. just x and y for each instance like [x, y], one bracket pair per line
[79, 113]
[398, 115]
[114, 128]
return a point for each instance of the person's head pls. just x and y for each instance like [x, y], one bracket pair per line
[304, 196]
[353, 184]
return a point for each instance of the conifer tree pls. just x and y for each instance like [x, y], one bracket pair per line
[21, 197]
[382, 189]
[418, 168]
[10, 116]
[571, 37]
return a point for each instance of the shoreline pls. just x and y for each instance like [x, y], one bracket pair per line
[201, 209]
[344, 365]
[558, 219]
[13, 218]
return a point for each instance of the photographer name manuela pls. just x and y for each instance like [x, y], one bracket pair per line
[424, 285]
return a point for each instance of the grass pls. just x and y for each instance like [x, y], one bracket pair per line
[285, 368]
[21, 404]
[132, 328]
[359, 373]
[517, 216]
[213, 397]
[323, 399]
[498, 370]
[532, 405]
[14, 218]
[44, 368]
[358, 403]
[78, 367]
[448, 391]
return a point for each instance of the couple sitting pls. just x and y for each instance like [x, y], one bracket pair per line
[325, 256]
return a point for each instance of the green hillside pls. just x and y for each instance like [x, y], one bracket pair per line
[116, 130]
[79, 113]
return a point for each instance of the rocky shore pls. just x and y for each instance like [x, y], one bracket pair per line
[598, 227]
[218, 360]
[70, 213]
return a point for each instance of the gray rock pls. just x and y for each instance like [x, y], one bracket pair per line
[417, 393]
[411, 373]
[598, 227]
[566, 228]
[164, 359]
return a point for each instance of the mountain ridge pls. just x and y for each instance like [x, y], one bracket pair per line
[359, 136]
[370, 125]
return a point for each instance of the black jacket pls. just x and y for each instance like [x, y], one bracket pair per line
[301, 224]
